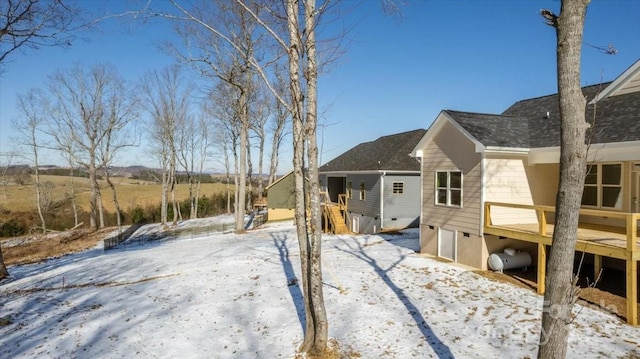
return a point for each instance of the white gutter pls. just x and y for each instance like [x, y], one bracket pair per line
[507, 150]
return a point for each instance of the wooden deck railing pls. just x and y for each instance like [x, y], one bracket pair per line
[602, 244]
[630, 230]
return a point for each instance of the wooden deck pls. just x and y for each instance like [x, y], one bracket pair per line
[601, 241]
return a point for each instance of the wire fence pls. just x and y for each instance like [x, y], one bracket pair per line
[114, 241]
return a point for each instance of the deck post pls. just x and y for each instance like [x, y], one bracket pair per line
[597, 266]
[542, 221]
[542, 267]
[632, 270]
[632, 292]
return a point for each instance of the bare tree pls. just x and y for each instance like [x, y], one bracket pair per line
[192, 153]
[222, 108]
[120, 116]
[225, 141]
[31, 105]
[35, 23]
[90, 113]
[300, 20]
[167, 98]
[559, 294]
[65, 149]
[227, 60]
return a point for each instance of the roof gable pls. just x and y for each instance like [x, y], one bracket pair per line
[387, 153]
[627, 82]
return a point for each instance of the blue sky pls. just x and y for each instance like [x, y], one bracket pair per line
[396, 74]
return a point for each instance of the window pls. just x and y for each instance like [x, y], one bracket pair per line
[398, 187]
[362, 192]
[349, 189]
[603, 186]
[449, 188]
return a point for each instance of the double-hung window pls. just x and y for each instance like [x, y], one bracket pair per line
[449, 188]
[603, 186]
[362, 191]
[398, 187]
[349, 189]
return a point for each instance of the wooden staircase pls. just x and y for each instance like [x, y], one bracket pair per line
[334, 220]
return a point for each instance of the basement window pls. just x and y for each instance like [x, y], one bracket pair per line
[448, 188]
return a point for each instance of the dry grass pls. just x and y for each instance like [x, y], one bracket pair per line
[615, 304]
[131, 193]
[40, 247]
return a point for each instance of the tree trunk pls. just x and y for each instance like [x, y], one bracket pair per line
[165, 196]
[242, 170]
[38, 184]
[115, 200]
[173, 183]
[74, 205]
[260, 165]
[93, 201]
[558, 298]
[100, 206]
[3, 269]
[275, 144]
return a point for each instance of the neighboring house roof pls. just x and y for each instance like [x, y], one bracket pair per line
[535, 123]
[387, 153]
[290, 173]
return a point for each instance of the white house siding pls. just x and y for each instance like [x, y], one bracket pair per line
[506, 180]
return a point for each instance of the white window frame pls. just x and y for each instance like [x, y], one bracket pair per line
[600, 186]
[399, 189]
[448, 188]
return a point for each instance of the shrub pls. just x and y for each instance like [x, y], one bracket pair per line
[13, 227]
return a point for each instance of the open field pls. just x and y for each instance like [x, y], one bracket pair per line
[131, 193]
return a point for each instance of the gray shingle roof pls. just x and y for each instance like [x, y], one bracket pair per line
[494, 130]
[526, 125]
[387, 153]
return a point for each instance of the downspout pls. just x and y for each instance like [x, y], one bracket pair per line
[421, 220]
[482, 193]
[382, 200]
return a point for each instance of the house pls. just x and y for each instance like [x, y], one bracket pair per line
[281, 201]
[377, 182]
[489, 181]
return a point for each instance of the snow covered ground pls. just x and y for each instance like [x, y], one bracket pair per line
[222, 295]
